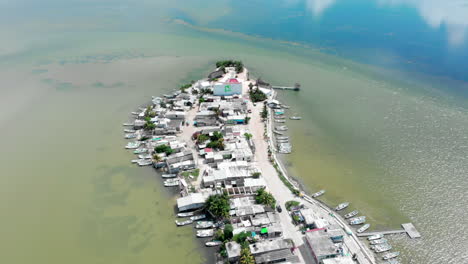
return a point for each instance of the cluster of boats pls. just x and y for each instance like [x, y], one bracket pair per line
[379, 244]
[353, 220]
[171, 182]
[206, 228]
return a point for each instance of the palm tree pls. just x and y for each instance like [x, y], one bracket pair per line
[156, 158]
[246, 257]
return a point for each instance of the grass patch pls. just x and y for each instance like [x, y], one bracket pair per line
[194, 173]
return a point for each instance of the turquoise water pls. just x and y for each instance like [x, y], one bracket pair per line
[383, 100]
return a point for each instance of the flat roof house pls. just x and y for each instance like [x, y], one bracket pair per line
[274, 251]
[321, 246]
[191, 202]
[230, 87]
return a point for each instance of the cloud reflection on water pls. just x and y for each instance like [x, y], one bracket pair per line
[437, 13]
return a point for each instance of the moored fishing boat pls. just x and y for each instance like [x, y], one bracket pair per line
[185, 214]
[319, 193]
[341, 206]
[197, 217]
[295, 118]
[357, 220]
[278, 132]
[205, 233]
[378, 241]
[281, 128]
[376, 236]
[171, 184]
[129, 130]
[213, 243]
[183, 223]
[351, 214]
[166, 176]
[390, 255]
[140, 150]
[144, 156]
[145, 162]
[129, 136]
[282, 137]
[127, 124]
[204, 224]
[363, 228]
[382, 247]
[280, 121]
[133, 145]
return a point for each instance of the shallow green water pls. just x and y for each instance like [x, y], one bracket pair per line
[69, 194]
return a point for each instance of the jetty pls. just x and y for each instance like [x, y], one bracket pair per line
[408, 228]
[296, 87]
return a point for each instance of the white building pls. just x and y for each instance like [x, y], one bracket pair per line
[230, 87]
[191, 202]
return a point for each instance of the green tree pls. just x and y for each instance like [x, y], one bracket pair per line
[248, 136]
[218, 205]
[228, 229]
[164, 148]
[264, 113]
[149, 125]
[264, 197]
[291, 204]
[202, 138]
[246, 257]
[216, 136]
[157, 158]
[247, 119]
[256, 175]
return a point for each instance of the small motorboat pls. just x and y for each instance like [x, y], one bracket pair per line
[281, 128]
[145, 156]
[374, 237]
[351, 214]
[166, 176]
[295, 118]
[185, 214]
[204, 224]
[213, 243]
[278, 132]
[341, 206]
[198, 217]
[382, 248]
[391, 255]
[129, 136]
[280, 121]
[205, 233]
[357, 220]
[171, 184]
[282, 137]
[135, 113]
[183, 223]
[393, 261]
[133, 145]
[127, 124]
[319, 193]
[378, 241]
[129, 130]
[145, 162]
[363, 228]
[140, 151]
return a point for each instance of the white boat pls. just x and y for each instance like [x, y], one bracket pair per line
[279, 117]
[282, 137]
[280, 121]
[363, 228]
[135, 113]
[319, 193]
[129, 130]
[166, 176]
[281, 128]
[140, 150]
[127, 124]
[133, 145]
[204, 224]
[185, 214]
[213, 243]
[295, 118]
[145, 163]
[171, 180]
[182, 223]
[171, 184]
[129, 136]
[374, 237]
[391, 255]
[382, 248]
[145, 156]
[278, 132]
[357, 220]
[198, 217]
[205, 233]
[393, 261]
[351, 214]
[341, 206]
[379, 241]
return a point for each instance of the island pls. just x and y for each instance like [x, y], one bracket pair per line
[217, 141]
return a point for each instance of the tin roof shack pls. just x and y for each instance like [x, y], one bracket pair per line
[191, 202]
[274, 251]
[233, 250]
[180, 161]
[339, 260]
[321, 246]
[228, 176]
[216, 74]
[335, 233]
[206, 118]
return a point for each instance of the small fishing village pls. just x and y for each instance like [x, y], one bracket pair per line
[218, 140]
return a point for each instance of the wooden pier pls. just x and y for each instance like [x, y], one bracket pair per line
[408, 228]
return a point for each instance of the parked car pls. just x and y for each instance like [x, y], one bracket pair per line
[278, 208]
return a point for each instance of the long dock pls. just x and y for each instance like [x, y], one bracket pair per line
[296, 87]
[408, 228]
